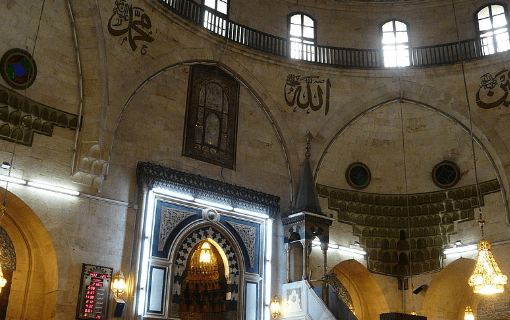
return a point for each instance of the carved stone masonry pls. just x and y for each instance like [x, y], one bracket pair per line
[247, 234]
[170, 218]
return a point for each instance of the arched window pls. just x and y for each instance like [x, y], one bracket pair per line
[492, 29]
[215, 15]
[395, 41]
[302, 36]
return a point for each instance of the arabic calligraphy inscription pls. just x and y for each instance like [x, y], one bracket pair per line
[493, 91]
[309, 93]
[132, 23]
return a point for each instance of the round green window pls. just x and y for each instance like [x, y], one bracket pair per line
[18, 68]
[358, 175]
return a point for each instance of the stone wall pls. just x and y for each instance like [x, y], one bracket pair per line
[134, 104]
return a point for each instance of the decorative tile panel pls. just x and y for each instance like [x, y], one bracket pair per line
[8, 254]
[494, 307]
[247, 234]
[182, 256]
[170, 218]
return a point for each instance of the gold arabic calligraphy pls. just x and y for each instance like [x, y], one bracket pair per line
[493, 90]
[130, 20]
[307, 93]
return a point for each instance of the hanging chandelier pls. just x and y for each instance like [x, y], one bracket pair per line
[487, 277]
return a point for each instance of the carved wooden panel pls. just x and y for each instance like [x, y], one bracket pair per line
[211, 116]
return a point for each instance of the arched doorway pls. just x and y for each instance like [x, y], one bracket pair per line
[367, 296]
[449, 293]
[204, 289]
[34, 285]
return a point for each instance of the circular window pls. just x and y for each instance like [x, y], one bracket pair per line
[18, 68]
[358, 175]
[446, 174]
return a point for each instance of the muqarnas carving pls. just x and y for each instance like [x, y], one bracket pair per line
[211, 116]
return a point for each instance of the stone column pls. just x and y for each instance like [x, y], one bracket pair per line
[325, 292]
[307, 246]
[287, 251]
[324, 248]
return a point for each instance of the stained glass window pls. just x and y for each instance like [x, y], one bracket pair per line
[211, 116]
[18, 68]
[445, 174]
[358, 175]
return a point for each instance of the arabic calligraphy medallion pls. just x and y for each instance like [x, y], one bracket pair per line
[493, 91]
[132, 23]
[307, 93]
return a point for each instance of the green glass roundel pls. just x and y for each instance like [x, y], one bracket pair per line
[358, 175]
[18, 68]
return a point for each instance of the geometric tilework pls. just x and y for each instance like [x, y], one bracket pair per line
[494, 307]
[247, 234]
[170, 218]
[8, 255]
[187, 245]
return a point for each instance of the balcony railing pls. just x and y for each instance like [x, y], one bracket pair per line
[343, 57]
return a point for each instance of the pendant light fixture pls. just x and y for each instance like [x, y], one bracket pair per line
[468, 314]
[487, 277]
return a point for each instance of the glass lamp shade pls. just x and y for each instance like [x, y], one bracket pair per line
[118, 284]
[3, 281]
[275, 307]
[487, 277]
[205, 254]
[468, 314]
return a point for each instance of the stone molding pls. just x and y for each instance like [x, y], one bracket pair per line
[405, 234]
[21, 117]
[151, 175]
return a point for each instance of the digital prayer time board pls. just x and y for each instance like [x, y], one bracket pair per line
[94, 292]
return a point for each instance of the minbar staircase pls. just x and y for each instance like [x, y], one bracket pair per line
[302, 300]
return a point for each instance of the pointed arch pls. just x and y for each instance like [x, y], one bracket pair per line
[449, 292]
[34, 289]
[367, 296]
[181, 251]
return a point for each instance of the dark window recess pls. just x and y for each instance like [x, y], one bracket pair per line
[446, 174]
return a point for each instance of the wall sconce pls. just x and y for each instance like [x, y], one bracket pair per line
[118, 284]
[275, 307]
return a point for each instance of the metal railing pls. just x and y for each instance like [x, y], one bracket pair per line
[343, 57]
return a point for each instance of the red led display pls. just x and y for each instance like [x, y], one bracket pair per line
[94, 292]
